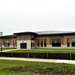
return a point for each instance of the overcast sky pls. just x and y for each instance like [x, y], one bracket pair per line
[36, 15]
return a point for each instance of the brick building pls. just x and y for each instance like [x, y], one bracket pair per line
[43, 39]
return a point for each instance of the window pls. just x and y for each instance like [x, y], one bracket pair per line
[73, 42]
[41, 42]
[33, 39]
[56, 42]
[44, 42]
[23, 38]
[32, 44]
[68, 42]
[38, 42]
[7, 43]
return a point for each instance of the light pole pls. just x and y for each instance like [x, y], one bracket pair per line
[1, 40]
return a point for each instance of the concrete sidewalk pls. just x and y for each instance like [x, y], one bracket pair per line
[8, 50]
[39, 60]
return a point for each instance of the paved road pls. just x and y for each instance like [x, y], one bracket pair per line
[39, 60]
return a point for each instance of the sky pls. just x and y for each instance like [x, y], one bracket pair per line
[36, 15]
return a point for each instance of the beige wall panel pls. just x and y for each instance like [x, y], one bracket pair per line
[26, 41]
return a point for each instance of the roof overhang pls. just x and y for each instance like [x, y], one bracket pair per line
[26, 33]
[8, 36]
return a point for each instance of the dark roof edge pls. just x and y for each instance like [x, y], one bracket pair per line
[8, 36]
[20, 33]
[56, 34]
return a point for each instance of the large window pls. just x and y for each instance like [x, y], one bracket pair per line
[7, 43]
[56, 42]
[38, 42]
[41, 42]
[73, 42]
[68, 42]
[45, 43]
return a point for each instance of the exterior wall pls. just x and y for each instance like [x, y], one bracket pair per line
[53, 37]
[62, 38]
[29, 39]
[33, 41]
[24, 41]
[9, 46]
[43, 37]
[65, 39]
[24, 36]
[11, 42]
[32, 38]
[48, 40]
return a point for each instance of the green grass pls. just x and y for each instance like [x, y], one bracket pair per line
[46, 50]
[7, 48]
[13, 67]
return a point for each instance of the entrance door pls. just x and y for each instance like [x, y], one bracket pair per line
[23, 45]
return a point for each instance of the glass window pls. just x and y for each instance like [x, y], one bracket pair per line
[41, 42]
[68, 42]
[44, 42]
[56, 42]
[38, 42]
[6, 43]
[73, 42]
[23, 38]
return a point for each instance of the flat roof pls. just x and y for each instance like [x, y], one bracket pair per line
[40, 33]
[54, 32]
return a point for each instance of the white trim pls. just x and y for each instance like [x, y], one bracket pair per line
[24, 41]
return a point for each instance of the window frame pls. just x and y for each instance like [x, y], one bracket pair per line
[73, 44]
[57, 42]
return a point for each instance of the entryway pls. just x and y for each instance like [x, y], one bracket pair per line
[23, 45]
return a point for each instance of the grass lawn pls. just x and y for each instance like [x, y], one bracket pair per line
[46, 50]
[4, 48]
[13, 67]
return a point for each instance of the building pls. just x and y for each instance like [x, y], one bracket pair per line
[8, 41]
[43, 39]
